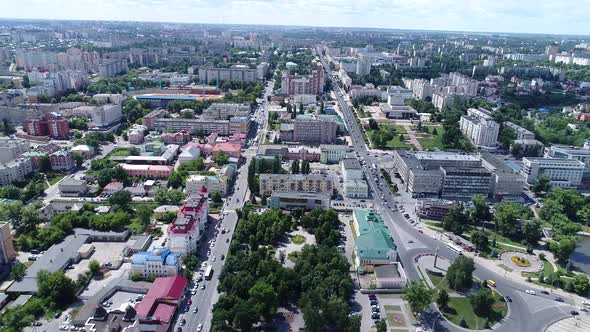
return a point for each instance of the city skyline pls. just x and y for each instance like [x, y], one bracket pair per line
[499, 16]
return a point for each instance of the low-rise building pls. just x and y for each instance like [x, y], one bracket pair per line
[433, 208]
[69, 186]
[564, 173]
[351, 169]
[390, 276]
[374, 244]
[112, 188]
[159, 262]
[297, 200]
[148, 171]
[157, 309]
[573, 152]
[62, 160]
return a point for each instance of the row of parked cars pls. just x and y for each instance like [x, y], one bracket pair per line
[375, 309]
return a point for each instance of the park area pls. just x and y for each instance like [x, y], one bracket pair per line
[388, 137]
[430, 137]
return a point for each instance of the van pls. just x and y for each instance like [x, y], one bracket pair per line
[491, 283]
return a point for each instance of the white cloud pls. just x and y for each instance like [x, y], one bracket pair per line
[540, 16]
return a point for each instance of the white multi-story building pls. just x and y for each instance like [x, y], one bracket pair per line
[15, 170]
[356, 189]
[270, 183]
[107, 115]
[11, 149]
[479, 127]
[363, 66]
[331, 153]
[160, 262]
[351, 169]
[262, 70]
[564, 173]
[187, 229]
[194, 183]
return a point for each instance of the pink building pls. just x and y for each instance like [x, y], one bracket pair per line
[233, 150]
[179, 138]
[148, 171]
[61, 160]
[186, 230]
[156, 310]
[304, 153]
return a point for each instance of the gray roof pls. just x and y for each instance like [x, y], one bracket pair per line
[138, 242]
[351, 163]
[22, 299]
[68, 181]
[55, 258]
[292, 194]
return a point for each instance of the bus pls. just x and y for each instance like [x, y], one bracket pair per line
[209, 272]
[455, 248]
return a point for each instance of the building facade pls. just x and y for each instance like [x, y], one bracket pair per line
[184, 234]
[563, 173]
[318, 183]
[159, 262]
[479, 127]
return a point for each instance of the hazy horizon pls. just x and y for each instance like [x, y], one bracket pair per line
[502, 16]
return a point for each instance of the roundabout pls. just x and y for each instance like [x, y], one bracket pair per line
[521, 262]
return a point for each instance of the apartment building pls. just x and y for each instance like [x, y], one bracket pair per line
[107, 115]
[147, 171]
[159, 262]
[187, 229]
[112, 68]
[15, 170]
[298, 85]
[479, 127]
[62, 160]
[563, 173]
[270, 183]
[521, 133]
[210, 74]
[224, 111]
[11, 149]
[50, 124]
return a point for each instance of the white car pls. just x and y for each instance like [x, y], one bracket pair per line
[200, 327]
[204, 264]
[586, 302]
[213, 259]
[193, 292]
[531, 292]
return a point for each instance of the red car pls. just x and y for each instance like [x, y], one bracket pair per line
[190, 301]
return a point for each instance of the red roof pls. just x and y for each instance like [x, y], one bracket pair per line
[163, 290]
[164, 312]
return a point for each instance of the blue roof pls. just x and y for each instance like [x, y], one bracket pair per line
[163, 255]
[167, 97]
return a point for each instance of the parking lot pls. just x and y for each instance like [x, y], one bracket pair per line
[104, 252]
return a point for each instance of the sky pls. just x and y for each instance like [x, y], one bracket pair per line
[524, 16]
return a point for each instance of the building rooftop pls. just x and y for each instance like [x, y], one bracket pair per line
[170, 288]
[374, 240]
[554, 161]
[163, 255]
[442, 155]
[351, 163]
[292, 194]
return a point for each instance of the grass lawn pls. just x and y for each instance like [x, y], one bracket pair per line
[53, 177]
[499, 238]
[438, 281]
[390, 296]
[119, 152]
[392, 308]
[293, 256]
[298, 239]
[430, 141]
[460, 307]
[395, 320]
[395, 142]
[547, 269]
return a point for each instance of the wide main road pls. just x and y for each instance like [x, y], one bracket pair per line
[205, 298]
[527, 313]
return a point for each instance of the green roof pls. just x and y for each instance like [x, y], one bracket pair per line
[374, 241]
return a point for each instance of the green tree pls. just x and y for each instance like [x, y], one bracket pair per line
[56, 288]
[532, 231]
[18, 271]
[169, 197]
[191, 262]
[508, 219]
[581, 284]
[144, 214]
[482, 301]
[460, 273]
[456, 220]
[121, 198]
[381, 326]
[481, 241]
[418, 296]
[216, 197]
[78, 159]
[563, 249]
[221, 158]
[442, 299]
[295, 167]
[542, 185]
[480, 211]
[276, 165]
[94, 267]
[253, 184]
[265, 299]
[175, 180]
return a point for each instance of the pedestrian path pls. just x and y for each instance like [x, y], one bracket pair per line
[571, 324]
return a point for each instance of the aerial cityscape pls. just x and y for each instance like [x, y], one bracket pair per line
[242, 168]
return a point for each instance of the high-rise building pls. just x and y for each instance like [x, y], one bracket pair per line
[479, 127]
[310, 84]
[106, 115]
[187, 229]
[11, 149]
[111, 68]
[50, 124]
[314, 131]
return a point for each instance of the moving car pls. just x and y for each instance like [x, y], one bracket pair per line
[530, 292]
